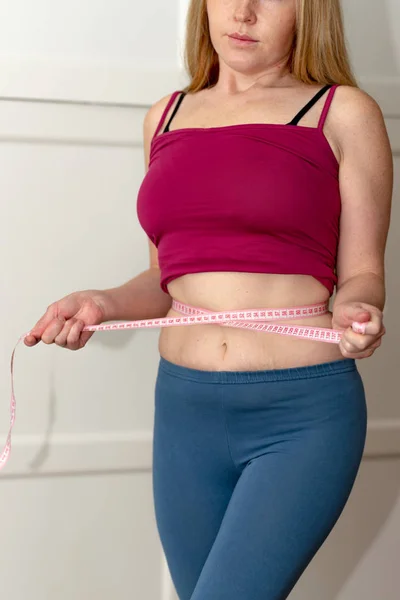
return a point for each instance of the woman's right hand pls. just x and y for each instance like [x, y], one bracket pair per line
[64, 320]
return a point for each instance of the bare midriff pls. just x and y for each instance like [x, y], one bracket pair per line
[222, 348]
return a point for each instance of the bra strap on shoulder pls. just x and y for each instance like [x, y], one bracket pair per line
[165, 111]
[309, 105]
[327, 104]
[166, 128]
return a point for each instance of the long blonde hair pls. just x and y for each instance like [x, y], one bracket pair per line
[319, 53]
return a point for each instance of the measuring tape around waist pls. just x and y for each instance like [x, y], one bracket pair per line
[252, 319]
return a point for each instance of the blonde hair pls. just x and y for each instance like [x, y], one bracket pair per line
[319, 53]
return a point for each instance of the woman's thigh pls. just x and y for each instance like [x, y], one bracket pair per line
[251, 470]
[193, 475]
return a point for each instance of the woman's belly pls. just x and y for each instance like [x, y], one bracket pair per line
[221, 348]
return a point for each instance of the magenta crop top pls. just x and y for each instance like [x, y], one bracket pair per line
[257, 198]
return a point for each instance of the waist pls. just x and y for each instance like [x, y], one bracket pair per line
[236, 340]
[262, 319]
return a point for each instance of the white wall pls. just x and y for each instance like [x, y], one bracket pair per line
[76, 496]
[85, 31]
[118, 51]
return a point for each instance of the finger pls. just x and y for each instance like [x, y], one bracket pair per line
[52, 330]
[356, 342]
[74, 336]
[367, 354]
[36, 332]
[374, 346]
[62, 336]
[349, 351]
[30, 340]
[356, 355]
[38, 329]
[371, 327]
[362, 340]
[377, 344]
[85, 337]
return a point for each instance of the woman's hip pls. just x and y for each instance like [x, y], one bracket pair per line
[319, 410]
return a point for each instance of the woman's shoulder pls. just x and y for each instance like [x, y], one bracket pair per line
[155, 113]
[158, 107]
[354, 107]
[354, 119]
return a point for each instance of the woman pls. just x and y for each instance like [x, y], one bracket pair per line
[268, 182]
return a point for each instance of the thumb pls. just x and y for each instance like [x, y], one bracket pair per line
[362, 316]
[350, 312]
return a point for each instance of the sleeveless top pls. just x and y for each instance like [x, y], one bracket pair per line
[252, 197]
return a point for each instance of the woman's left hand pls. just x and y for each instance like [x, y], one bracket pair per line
[358, 345]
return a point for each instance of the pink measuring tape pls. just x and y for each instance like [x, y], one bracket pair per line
[253, 319]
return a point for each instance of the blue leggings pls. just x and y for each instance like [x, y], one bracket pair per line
[251, 470]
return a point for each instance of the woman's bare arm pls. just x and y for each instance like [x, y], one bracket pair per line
[366, 187]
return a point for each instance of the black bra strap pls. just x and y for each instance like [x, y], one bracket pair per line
[174, 112]
[307, 107]
[294, 121]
